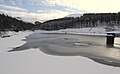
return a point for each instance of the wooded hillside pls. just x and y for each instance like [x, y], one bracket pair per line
[87, 20]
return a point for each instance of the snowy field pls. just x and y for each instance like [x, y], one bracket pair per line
[34, 61]
[101, 31]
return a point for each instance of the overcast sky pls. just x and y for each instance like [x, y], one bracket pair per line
[33, 10]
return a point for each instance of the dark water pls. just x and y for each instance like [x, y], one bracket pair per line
[93, 47]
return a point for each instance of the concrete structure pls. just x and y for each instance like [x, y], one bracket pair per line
[110, 37]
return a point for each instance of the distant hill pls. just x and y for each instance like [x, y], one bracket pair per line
[27, 19]
[86, 20]
[74, 15]
[8, 23]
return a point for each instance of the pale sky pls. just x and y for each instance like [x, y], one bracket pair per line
[32, 10]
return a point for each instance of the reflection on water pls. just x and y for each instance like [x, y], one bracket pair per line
[93, 47]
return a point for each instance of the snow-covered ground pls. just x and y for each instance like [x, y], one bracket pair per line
[36, 62]
[101, 31]
[13, 41]
[84, 31]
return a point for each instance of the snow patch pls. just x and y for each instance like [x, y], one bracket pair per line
[8, 43]
[84, 31]
[74, 15]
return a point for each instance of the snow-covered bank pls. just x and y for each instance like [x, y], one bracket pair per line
[7, 34]
[84, 31]
[13, 41]
[99, 31]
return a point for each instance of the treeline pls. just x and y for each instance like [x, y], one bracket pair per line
[87, 20]
[8, 23]
[57, 24]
